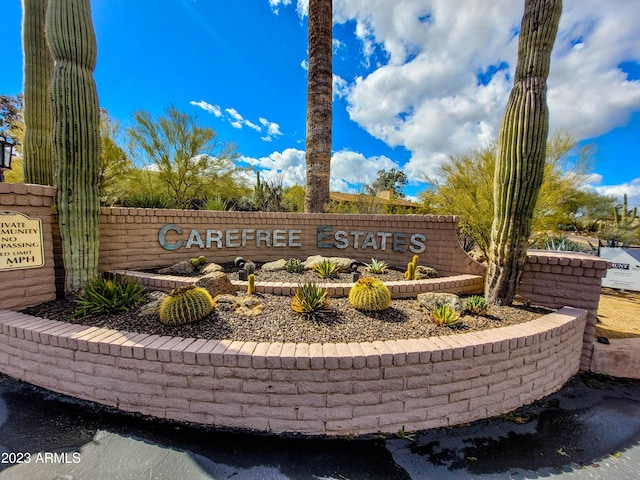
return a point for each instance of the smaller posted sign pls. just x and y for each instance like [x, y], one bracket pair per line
[21, 244]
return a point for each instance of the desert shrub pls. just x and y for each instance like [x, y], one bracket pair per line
[293, 265]
[102, 295]
[148, 200]
[476, 305]
[310, 298]
[370, 294]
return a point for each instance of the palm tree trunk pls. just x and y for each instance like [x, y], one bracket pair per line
[319, 115]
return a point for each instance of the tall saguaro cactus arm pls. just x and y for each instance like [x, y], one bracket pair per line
[76, 139]
[521, 150]
[39, 165]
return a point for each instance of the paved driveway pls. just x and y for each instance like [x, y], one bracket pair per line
[588, 430]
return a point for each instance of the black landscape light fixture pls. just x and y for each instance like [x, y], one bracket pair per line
[6, 152]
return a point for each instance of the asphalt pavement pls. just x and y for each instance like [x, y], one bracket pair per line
[588, 430]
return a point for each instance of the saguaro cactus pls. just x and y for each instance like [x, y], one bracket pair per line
[37, 149]
[521, 150]
[76, 140]
[622, 216]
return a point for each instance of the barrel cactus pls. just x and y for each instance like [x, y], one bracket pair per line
[186, 305]
[370, 294]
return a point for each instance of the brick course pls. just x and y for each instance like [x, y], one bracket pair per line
[328, 389]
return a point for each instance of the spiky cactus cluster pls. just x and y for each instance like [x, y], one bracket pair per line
[370, 294]
[186, 305]
[410, 273]
[251, 284]
[76, 139]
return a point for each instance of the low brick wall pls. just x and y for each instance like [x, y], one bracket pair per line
[130, 238]
[316, 389]
[556, 279]
[458, 284]
[21, 288]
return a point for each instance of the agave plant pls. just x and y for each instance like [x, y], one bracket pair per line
[444, 315]
[476, 305]
[376, 266]
[326, 269]
[310, 298]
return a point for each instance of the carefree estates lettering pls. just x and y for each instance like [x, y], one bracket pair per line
[173, 237]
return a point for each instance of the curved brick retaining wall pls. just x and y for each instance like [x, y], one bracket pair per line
[316, 389]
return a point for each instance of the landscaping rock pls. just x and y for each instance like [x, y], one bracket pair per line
[211, 267]
[216, 283]
[428, 301]
[274, 266]
[180, 268]
[423, 272]
[153, 306]
[343, 263]
[225, 302]
[248, 306]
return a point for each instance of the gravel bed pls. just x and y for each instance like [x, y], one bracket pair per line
[279, 323]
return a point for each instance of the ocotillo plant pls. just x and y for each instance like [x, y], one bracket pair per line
[521, 150]
[37, 149]
[76, 141]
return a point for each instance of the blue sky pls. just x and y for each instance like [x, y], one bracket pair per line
[414, 80]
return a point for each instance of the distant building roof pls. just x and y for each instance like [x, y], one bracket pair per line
[383, 198]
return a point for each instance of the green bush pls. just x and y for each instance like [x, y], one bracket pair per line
[148, 200]
[326, 269]
[310, 298]
[293, 265]
[101, 295]
[476, 305]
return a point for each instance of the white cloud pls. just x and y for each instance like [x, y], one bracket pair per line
[275, 5]
[273, 129]
[442, 71]
[350, 171]
[631, 189]
[340, 87]
[215, 109]
[305, 65]
[249, 124]
[233, 113]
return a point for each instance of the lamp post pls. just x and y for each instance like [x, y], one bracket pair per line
[6, 152]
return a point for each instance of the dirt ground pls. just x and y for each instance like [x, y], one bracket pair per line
[618, 314]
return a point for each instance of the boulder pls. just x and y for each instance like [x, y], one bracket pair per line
[248, 306]
[274, 266]
[180, 268]
[423, 272]
[343, 263]
[153, 306]
[216, 283]
[225, 302]
[428, 301]
[211, 267]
